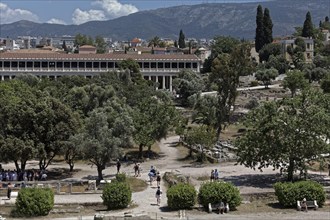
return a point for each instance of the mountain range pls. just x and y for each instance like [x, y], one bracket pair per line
[199, 21]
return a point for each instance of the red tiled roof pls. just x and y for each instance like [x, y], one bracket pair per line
[59, 56]
[136, 40]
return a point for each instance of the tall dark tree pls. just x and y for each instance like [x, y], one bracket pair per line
[268, 27]
[182, 43]
[307, 30]
[260, 36]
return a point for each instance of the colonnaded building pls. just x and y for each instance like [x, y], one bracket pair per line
[161, 68]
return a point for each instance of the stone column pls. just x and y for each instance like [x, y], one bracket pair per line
[156, 82]
[164, 82]
[171, 80]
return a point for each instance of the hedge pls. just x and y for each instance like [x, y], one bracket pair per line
[33, 202]
[181, 196]
[289, 193]
[214, 192]
[116, 195]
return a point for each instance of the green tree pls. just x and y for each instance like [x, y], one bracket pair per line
[182, 42]
[226, 69]
[81, 40]
[101, 45]
[106, 131]
[295, 80]
[325, 83]
[129, 64]
[54, 123]
[17, 107]
[202, 136]
[286, 134]
[188, 83]
[154, 42]
[308, 28]
[268, 27]
[269, 49]
[260, 35]
[266, 76]
[153, 117]
[277, 62]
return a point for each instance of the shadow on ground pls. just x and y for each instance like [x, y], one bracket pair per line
[60, 173]
[254, 180]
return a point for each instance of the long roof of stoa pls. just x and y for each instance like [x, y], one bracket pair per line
[105, 57]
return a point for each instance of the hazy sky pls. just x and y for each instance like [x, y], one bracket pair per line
[80, 11]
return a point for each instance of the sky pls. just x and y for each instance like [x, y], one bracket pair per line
[81, 11]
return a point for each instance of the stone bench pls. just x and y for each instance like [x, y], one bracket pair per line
[221, 207]
[13, 194]
[309, 204]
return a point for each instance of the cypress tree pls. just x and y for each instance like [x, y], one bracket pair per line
[259, 40]
[307, 30]
[182, 43]
[268, 27]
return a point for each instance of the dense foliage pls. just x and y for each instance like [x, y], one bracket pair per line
[181, 196]
[33, 202]
[214, 192]
[116, 195]
[289, 193]
[287, 133]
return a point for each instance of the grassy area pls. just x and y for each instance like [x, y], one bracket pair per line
[137, 185]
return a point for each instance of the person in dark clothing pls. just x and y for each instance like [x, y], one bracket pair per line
[118, 166]
[9, 190]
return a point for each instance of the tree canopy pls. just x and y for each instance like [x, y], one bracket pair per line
[286, 134]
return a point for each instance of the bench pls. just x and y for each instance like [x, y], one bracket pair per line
[13, 194]
[309, 204]
[221, 207]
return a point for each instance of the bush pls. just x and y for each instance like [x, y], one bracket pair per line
[289, 193]
[116, 195]
[181, 196]
[121, 177]
[33, 202]
[254, 83]
[214, 192]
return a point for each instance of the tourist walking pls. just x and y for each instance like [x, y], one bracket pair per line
[158, 195]
[158, 178]
[118, 166]
[9, 190]
[212, 176]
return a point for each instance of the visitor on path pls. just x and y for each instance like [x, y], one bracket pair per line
[9, 190]
[136, 170]
[158, 178]
[118, 166]
[216, 175]
[152, 174]
[212, 176]
[304, 205]
[158, 195]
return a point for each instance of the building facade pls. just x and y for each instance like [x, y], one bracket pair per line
[156, 67]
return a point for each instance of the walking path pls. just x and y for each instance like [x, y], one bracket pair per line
[145, 201]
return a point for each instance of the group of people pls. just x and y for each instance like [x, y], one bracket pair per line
[27, 175]
[214, 175]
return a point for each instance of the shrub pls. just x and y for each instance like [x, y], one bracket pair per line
[289, 193]
[121, 177]
[214, 192]
[181, 196]
[116, 195]
[254, 83]
[33, 202]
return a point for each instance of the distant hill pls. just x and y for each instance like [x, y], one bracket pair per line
[199, 21]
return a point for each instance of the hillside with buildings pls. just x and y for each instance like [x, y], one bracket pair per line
[198, 21]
